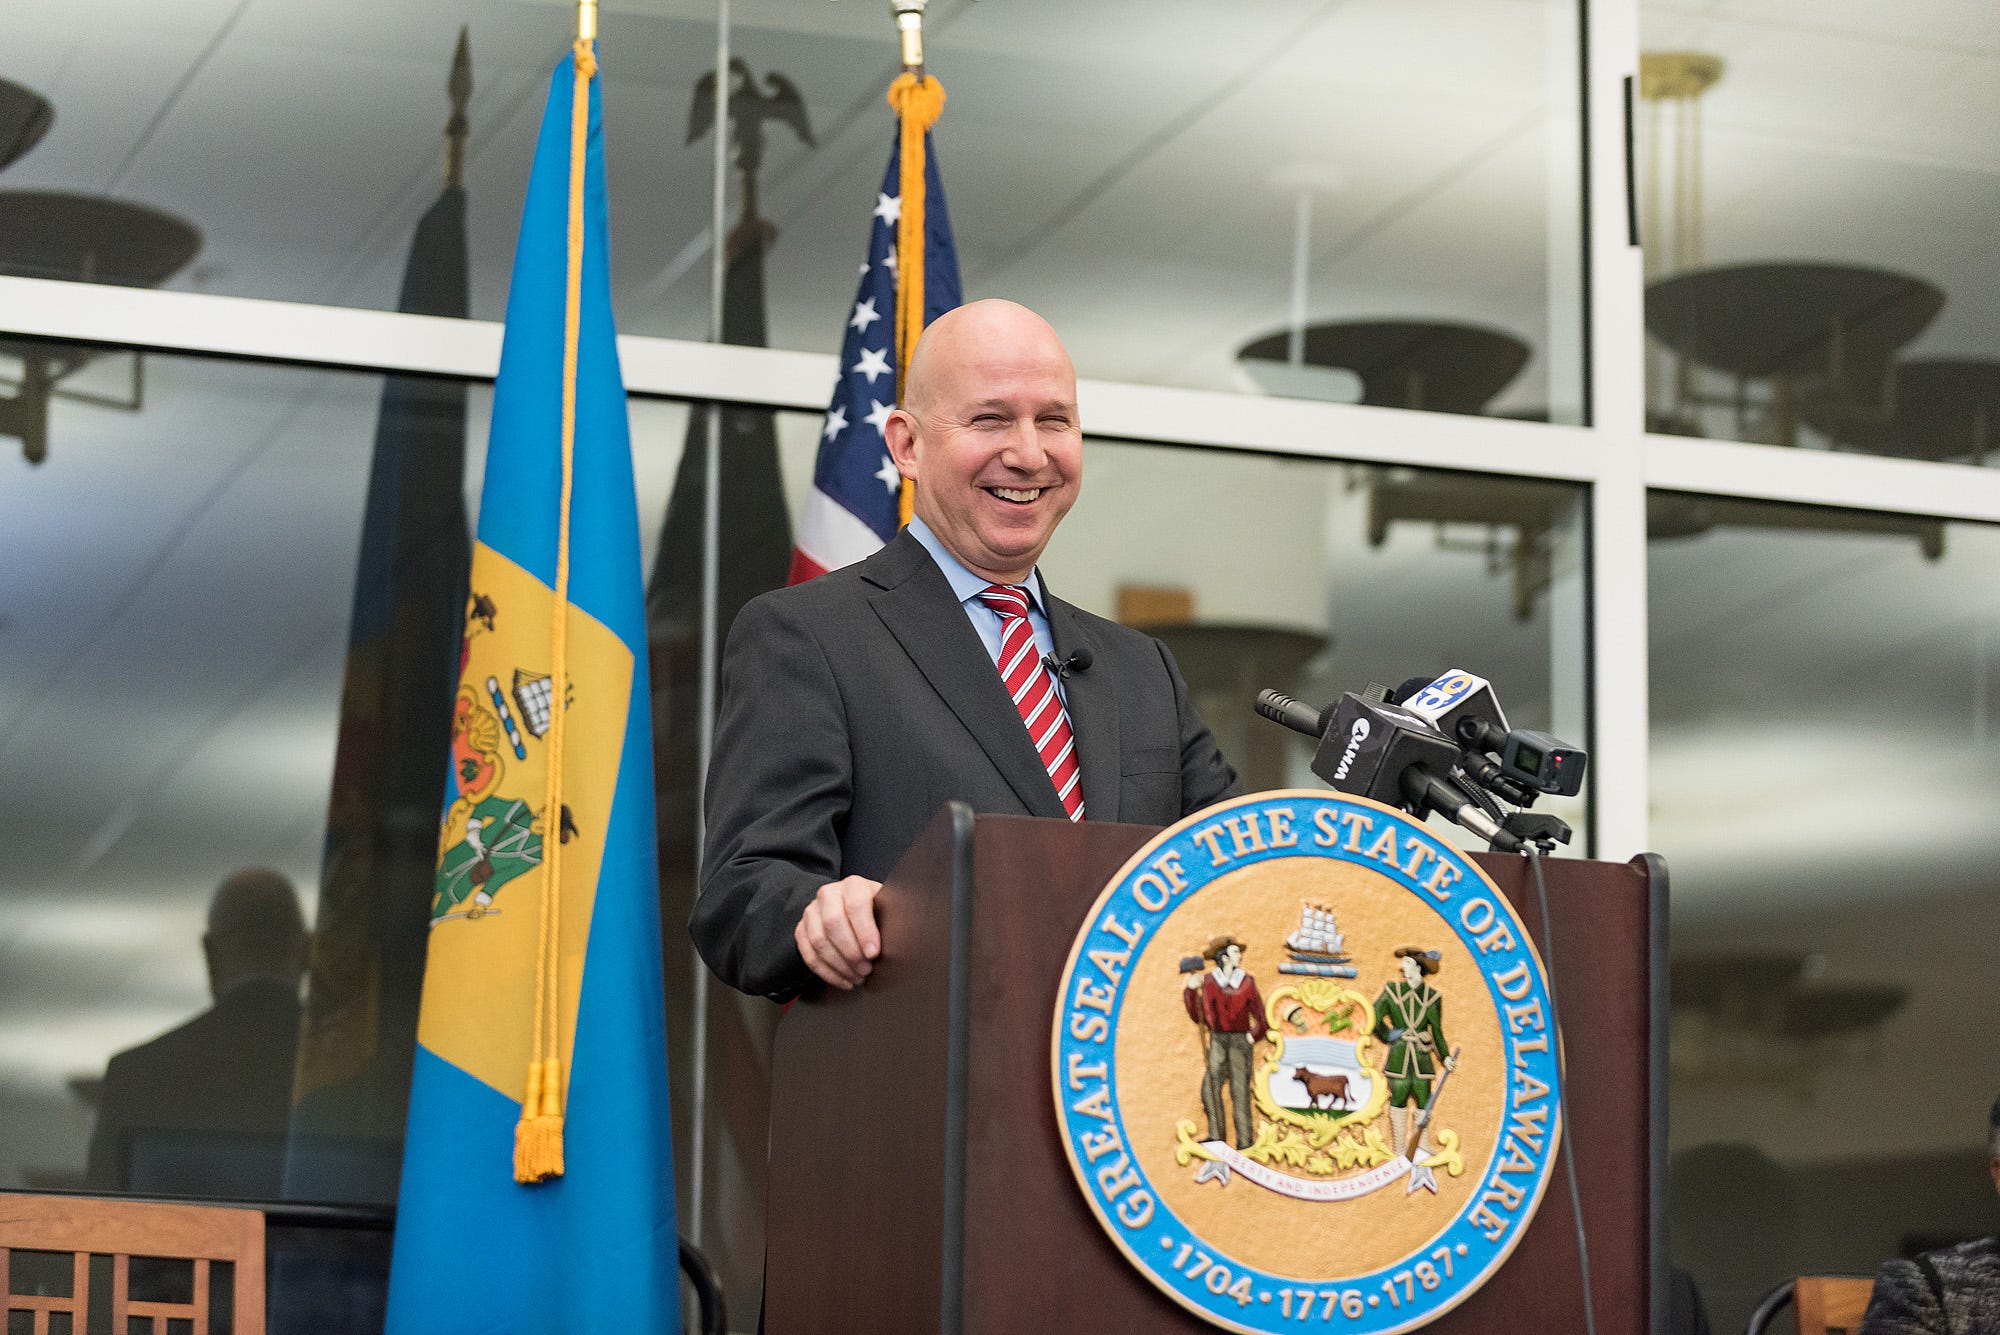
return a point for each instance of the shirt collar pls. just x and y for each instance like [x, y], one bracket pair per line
[965, 585]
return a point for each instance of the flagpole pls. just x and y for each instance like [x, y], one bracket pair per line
[910, 22]
[711, 575]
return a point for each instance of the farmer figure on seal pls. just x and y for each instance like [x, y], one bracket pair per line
[1225, 1002]
[1409, 1017]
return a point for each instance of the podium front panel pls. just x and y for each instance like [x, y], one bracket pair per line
[919, 1181]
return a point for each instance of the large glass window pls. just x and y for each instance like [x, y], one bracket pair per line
[228, 628]
[1300, 575]
[288, 151]
[231, 635]
[1824, 762]
[1360, 200]
[1352, 200]
[203, 679]
[1821, 219]
[176, 621]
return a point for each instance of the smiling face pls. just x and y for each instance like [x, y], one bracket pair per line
[989, 435]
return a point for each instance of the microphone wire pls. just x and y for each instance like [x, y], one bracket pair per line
[1478, 793]
[1534, 856]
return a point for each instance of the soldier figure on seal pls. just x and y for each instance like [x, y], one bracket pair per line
[1225, 1002]
[1409, 1017]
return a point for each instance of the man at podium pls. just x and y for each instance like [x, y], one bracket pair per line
[940, 668]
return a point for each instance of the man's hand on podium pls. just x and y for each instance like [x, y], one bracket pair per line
[837, 936]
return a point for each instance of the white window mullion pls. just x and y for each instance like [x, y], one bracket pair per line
[1821, 477]
[198, 322]
[1617, 530]
[1618, 652]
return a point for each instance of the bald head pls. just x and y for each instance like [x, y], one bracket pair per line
[255, 929]
[965, 335]
[988, 433]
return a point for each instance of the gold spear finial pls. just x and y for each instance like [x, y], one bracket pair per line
[910, 21]
[586, 20]
[458, 129]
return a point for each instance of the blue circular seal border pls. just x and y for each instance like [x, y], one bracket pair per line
[1177, 864]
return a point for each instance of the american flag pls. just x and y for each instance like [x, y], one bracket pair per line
[852, 509]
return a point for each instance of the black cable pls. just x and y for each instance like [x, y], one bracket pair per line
[1478, 793]
[1562, 1090]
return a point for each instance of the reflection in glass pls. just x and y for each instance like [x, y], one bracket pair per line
[175, 625]
[1793, 297]
[357, 1045]
[1315, 577]
[82, 238]
[1215, 192]
[1435, 366]
[1203, 178]
[203, 1109]
[754, 554]
[717, 1040]
[1823, 778]
[74, 236]
[331, 121]
[24, 118]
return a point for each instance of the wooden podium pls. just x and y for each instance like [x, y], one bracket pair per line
[918, 1179]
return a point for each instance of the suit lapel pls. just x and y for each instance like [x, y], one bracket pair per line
[1092, 697]
[916, 605]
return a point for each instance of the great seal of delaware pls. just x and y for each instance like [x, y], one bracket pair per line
[1305, 1069]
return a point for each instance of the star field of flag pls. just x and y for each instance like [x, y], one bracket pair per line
[855, 484]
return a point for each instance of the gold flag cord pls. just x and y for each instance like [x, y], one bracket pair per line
[918, 103]
[538, 1137]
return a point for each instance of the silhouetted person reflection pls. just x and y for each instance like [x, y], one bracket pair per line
[1733, 1217]
[202, 1109]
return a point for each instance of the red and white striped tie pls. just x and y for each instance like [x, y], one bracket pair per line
[1028, 681]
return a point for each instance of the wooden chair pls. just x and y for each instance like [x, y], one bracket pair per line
[1826, 1304]
[87, 1226]
[1831, 1304]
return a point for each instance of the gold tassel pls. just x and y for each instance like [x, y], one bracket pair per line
[538, 1136]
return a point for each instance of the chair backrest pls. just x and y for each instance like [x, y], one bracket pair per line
[125, 1231]
[1831, 1304]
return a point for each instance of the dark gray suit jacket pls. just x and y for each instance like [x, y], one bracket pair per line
[855, 705]
[203, 1109]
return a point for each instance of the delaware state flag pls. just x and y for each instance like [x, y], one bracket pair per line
[537, 1190]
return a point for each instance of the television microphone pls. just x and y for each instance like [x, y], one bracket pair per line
[1385, 752]
[1280, 708]
[1451, 700]
[1523, 762]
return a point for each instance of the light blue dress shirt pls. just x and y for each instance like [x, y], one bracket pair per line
[968, 586]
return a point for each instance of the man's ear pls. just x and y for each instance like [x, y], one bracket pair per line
[899, 433]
